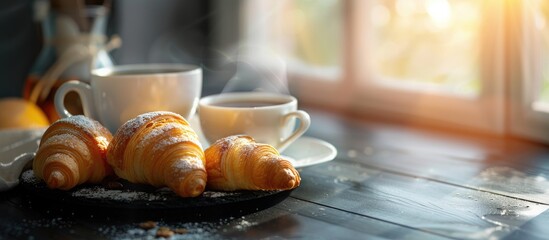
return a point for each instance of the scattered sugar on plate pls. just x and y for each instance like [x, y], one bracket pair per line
[119, 195]
[211, 194]
[98, 192]
[28, 177]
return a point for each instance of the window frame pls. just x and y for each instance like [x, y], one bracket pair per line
[525, 64]
[357, 91]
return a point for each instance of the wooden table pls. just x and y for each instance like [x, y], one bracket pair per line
[388, 181]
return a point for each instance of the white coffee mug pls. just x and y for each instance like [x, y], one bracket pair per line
[268, 118]
[119, 93]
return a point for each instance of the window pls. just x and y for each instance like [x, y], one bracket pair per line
[406, 36]
[308, 34]
[529, 111]
[461, 63]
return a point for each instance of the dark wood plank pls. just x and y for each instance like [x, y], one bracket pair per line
[523, 182]
[506, 167]
[299, 219]
[370, 136]
[419, 203]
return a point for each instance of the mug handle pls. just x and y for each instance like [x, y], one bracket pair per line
[304, 123]
[83, 90]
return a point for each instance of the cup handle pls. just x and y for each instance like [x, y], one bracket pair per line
[83, 90]
[304, 123]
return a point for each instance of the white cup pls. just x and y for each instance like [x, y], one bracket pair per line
[268, 118]
[119, 93]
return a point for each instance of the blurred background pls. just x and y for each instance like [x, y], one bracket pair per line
[455, 64]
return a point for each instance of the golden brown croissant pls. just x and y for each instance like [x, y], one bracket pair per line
[73, 151]
[239, 163]
[161, 149]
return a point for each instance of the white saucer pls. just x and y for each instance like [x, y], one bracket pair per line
[305, 151]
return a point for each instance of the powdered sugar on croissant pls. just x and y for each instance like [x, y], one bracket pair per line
[73, 151]
[239, 163]
[161, 149]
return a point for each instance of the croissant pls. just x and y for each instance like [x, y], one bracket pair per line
[239, 163]
[72, 151]
[160, 149]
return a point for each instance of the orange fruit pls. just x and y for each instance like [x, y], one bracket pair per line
[20, 113]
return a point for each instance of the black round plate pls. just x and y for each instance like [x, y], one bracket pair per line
[130, 199]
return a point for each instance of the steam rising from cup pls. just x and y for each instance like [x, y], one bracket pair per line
[258, 72]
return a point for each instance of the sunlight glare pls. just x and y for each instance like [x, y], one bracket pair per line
[440, 12]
